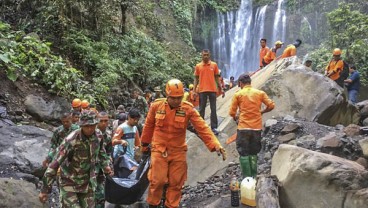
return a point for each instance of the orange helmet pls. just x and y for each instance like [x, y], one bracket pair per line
[84, 104]
[174, 88]
[76, 103]
[336, 52]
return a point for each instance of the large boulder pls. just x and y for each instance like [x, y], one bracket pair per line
[313, 179]
[295, 93]
[42, 110]
[18, 193]
[363, 108]
[23, 146]
[310, 95]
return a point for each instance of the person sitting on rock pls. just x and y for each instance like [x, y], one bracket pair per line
[249, 101]
[77, 158]
[58, 136]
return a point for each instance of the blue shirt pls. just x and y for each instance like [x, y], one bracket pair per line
[355, 84]
[129, 136]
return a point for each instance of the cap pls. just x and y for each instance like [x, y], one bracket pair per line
[278, 42]
[87, 118]
[157, 89]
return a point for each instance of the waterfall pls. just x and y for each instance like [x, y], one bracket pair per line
[235, 40]
[280, 23]
[230, 46]
[258, 34]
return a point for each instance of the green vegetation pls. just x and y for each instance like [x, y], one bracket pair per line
[348, 31]
[26, 55]
[98, 52]
[257, 3]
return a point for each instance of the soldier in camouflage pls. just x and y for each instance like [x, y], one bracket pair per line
[59, 134]
[139, 102]
[100, 189]
[77, 156]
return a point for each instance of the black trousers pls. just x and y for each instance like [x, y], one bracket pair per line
[248, 142]
[202, 106]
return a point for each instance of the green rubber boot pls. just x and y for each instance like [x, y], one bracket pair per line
[245, 166]
[253, 165]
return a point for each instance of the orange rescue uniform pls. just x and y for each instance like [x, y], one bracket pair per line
[262, 54]
[249, 101]
[194, 101]
[207, 73]
[165, 129]
[289, 51]
[335, 66]
[270, 56]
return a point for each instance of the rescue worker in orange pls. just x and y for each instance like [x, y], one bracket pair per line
[192, 99]
[221, 86]
[335, 67]
[249, 101]
[263, 51]
[271, 54]
[76, 105]
[290, 50]
[207, 75]
[165, 131]
[85, 105]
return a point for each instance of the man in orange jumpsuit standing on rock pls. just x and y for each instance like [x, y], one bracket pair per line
[165, 130]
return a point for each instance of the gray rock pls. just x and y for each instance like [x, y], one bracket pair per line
[46, 111]
[363, 108]
[330, 140]
[326, 178]
[326, 104]
[270, 122]
[365, 122]
[286, 138]
[352, 130]
[364, 145]
[28, 177]
[293, 127]
[24, 146]
[289, 118]
[18, 193]
[307, 141]
[339, 127]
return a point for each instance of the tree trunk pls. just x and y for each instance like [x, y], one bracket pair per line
[267, 192]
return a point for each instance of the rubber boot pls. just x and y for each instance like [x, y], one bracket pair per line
[245, 166]
[253, 165]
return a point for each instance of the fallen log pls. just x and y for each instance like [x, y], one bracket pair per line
[267, 192]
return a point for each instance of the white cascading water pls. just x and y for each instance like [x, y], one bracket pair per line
[235, 40]
[279, 27]
[258, 34]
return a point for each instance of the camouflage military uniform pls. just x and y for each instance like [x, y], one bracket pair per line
[59, 134]
[141, 104]
[100, 189]
[77, 157]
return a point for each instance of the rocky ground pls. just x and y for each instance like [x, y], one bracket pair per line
[340, 141]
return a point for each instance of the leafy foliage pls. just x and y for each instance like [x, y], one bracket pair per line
[348, 31]
[26, 55]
